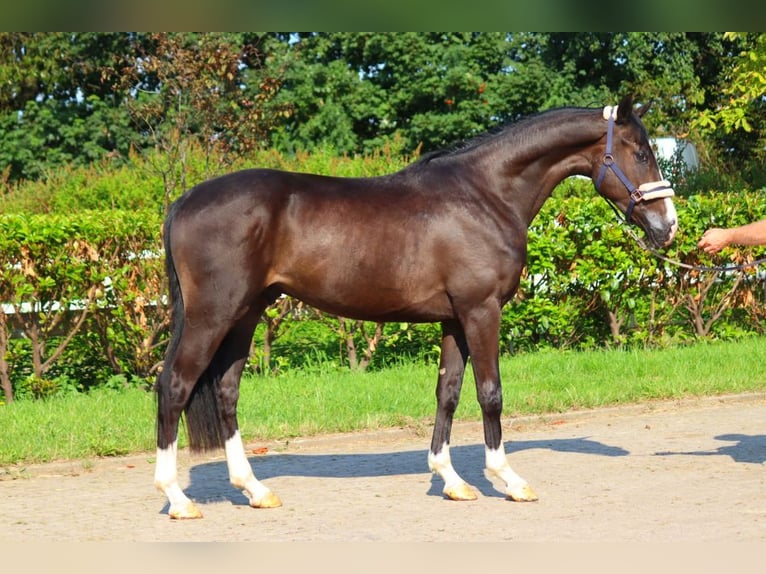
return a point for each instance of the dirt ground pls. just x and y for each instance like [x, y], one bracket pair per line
[672, 471]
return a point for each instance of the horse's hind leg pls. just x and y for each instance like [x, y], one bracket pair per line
[234, 351]
[188, 359]
[454, 354]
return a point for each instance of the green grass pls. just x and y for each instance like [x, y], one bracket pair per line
[109, 423]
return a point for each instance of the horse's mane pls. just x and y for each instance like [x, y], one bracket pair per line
[523, 126]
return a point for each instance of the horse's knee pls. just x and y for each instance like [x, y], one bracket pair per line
[448, 401]
[490, 396]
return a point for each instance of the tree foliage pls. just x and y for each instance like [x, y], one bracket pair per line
[207, 89]
[55, 107]
[736, 117]
[75, 98]
[434, 89]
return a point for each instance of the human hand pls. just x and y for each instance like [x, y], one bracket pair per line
[714, 239]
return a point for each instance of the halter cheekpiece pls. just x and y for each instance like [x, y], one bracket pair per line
[645, 191]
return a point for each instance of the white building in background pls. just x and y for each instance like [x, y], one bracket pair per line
[670, 148]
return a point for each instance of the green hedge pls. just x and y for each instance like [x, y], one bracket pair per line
[83, 298]
[142, 183]
[84, 293]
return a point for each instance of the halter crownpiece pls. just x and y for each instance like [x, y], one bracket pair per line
[644, 192]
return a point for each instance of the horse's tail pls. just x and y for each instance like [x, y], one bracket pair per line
[202, 411]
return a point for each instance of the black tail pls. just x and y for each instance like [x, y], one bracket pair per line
[202, 411]
[204, 427]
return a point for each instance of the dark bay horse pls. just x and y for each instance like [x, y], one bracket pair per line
[444, 239]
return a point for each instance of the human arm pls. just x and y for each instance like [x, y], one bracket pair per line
[715, 239]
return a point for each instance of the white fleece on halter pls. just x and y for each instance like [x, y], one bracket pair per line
[656, 190]
[610, 112]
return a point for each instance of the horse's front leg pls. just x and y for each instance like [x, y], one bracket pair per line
[241, 476]
[454, 354]
[482, 333]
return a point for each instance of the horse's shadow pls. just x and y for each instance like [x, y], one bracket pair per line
[209, 481]
[746, 448]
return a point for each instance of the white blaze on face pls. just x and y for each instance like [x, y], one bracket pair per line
[668, 221]
[670, 211]
[657, 190]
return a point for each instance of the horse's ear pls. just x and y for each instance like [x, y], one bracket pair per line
[643, 109]
[624, 109]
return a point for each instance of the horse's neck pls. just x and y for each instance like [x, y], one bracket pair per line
[531, 161]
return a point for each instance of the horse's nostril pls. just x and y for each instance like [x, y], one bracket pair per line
[671, 234]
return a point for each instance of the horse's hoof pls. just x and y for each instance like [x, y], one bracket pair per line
[188, 511]
[460, 492]
[268, 500]
[522, 494]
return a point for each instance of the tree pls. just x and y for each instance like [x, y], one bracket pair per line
[352, 91]
[55, 106]
[204, 89]
[76, 98]
[275, 319]
[737, 112]
[5, 375]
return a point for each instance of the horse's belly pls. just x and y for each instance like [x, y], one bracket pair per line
[371, 297]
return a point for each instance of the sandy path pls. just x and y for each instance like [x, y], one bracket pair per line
[672, 471]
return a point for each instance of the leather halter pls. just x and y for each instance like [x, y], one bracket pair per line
[645, 191]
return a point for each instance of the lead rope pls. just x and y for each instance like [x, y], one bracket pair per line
[704, 268]
[645, 192]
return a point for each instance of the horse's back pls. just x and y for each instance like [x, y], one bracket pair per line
[386, 248]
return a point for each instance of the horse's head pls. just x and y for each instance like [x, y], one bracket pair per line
[627, 175]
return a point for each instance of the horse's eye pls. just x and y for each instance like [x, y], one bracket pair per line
[642, 156]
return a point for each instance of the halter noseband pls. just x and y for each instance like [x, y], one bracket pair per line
[645, 191]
